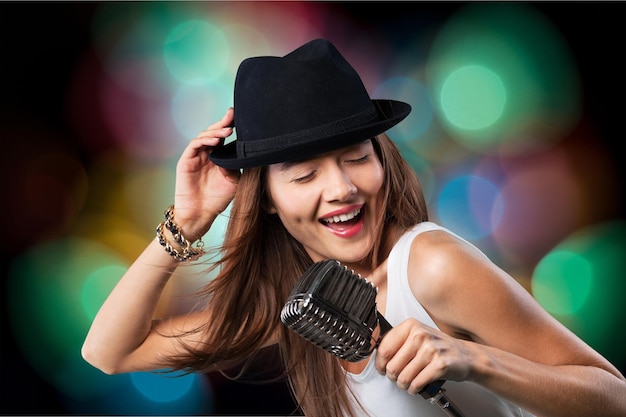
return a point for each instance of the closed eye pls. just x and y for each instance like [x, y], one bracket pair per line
[362, 159]
[304, 178]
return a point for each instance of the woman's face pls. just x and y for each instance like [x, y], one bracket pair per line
[329, 203]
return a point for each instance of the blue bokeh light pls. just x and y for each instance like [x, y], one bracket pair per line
[470, 205]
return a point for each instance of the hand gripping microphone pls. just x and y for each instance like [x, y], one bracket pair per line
[335, 309]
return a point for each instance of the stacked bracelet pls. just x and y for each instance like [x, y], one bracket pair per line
[186, 251]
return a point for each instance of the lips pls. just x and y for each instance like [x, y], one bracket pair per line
[345, 224]
[342, 218]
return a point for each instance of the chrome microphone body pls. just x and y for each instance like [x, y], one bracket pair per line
[335, 309]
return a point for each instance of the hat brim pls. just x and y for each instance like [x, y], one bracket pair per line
[390, 113]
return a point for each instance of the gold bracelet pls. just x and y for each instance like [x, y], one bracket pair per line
[187, 252]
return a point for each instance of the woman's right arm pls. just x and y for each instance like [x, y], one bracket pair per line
[124, 336]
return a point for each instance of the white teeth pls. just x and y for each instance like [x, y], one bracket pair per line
[342, 217]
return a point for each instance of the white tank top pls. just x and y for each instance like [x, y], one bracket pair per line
[380, 396]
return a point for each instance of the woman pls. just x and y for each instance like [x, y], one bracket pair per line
[312, 176]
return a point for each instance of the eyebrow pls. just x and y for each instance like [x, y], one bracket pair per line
[284, 166]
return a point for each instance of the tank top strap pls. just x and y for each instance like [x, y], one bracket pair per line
[400, 300]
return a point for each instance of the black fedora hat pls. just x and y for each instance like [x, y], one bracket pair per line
[309, 102]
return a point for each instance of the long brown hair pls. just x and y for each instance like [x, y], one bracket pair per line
[260, 264]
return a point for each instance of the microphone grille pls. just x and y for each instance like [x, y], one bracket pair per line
[335, 309]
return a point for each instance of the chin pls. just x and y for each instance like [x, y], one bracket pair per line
[345, 252]
[352, 257]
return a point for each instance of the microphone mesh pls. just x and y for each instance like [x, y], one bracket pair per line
[335, 309]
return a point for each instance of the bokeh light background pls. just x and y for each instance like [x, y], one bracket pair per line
[517, 133]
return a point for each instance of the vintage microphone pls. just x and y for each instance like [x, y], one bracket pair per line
[335, 309]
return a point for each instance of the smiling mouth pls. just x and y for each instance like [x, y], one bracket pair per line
[350, 217]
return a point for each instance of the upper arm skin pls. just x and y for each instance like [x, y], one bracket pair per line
[166, 340]
[469, 296]
[163, 341]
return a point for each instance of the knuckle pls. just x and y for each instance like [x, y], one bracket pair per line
[384, 353]
[403, 383]
[414, 388]
[416, 337]
[411, 323]
[392, 372]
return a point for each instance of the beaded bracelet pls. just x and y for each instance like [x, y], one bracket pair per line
[187, 252]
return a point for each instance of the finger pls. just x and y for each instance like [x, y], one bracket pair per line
[226, 120]
[415, 353]
[202, 146]
[218, 132]
[229, 117]
[391, 343]
[410, 375]
[407, 362]
[430, 373]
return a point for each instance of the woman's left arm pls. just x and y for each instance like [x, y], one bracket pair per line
[494, 333]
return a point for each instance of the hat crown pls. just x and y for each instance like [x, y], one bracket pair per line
[307, 88]
[303, 104]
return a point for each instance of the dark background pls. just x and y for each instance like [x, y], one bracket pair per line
[41, 42]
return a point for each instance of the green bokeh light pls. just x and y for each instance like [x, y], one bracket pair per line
[47, 313]
[503, 47]
[473, 97]
[196, 50]
[581, 282]
[562, 281]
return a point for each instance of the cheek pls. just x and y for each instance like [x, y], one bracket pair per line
[371, 182]
[295, 215]
[291, 207]
[288, 210]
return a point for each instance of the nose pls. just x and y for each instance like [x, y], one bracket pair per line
[339, 185]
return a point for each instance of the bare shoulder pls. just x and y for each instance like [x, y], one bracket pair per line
[440, 262]
[456, 282]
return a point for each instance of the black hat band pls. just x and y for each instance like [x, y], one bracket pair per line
[249, 148]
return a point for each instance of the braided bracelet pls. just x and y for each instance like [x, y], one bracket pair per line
[187, 252]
